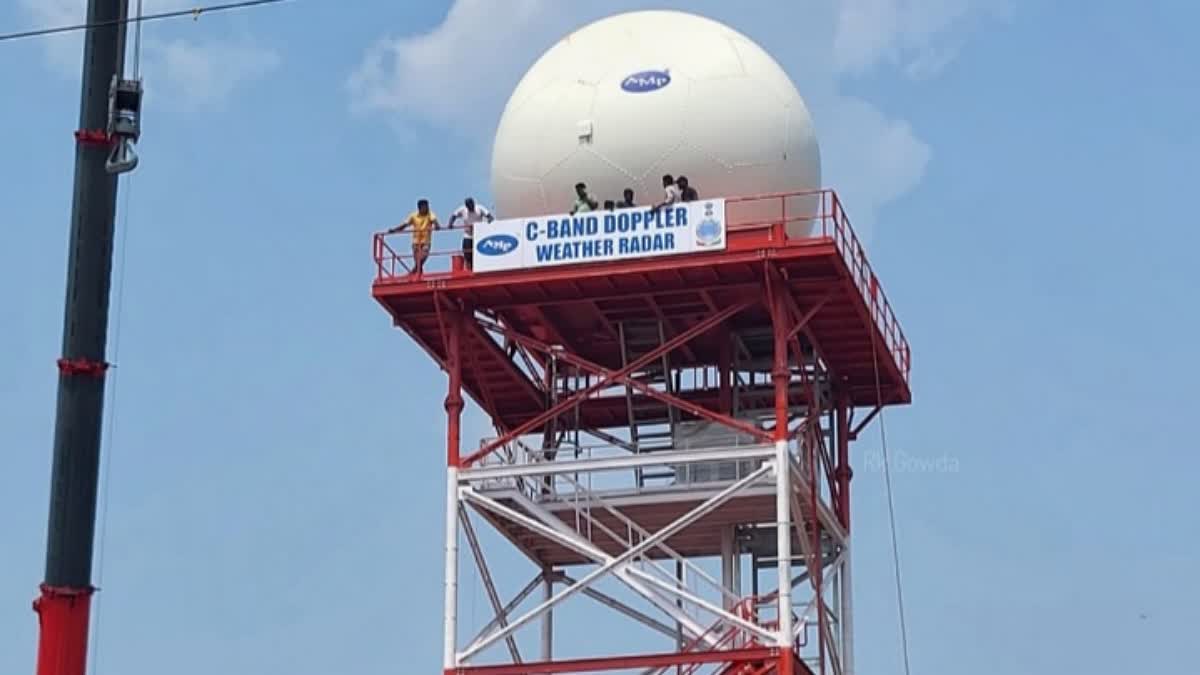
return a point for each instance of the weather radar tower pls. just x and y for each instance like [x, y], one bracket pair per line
[674, 390]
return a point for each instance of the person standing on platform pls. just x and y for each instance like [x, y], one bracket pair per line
[627, 201]
[583, 201]
[469, 213]
[670, 192]
[423, 222]
[687, 193]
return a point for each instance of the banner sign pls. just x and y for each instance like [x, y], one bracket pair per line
[598, 236]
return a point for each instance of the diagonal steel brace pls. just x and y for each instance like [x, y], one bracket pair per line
[605, 381]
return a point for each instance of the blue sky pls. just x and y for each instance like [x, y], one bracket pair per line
[274, 494]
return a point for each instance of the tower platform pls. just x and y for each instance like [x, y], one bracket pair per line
[581, 307]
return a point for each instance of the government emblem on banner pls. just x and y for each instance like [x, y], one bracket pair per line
[708, 230]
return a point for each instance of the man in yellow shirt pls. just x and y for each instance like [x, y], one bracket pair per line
[423, 222]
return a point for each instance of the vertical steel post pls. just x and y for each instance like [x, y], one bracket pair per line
[783, 484]
[846, 612]
[843, 473]
[548, 619]
[725, 370]
[65, 602]
[454, 407]
[728, 565]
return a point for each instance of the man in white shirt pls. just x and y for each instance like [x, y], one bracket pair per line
[470, 213]
[670, 192]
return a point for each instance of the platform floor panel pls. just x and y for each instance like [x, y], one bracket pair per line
[581, 307]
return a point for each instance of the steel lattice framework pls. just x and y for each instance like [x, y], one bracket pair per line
[655, 416]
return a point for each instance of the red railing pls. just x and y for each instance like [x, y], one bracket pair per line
[725, 638]
[818, 212]
[393, 266]
[821, 212]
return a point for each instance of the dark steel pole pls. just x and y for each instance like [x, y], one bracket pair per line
[64, 606]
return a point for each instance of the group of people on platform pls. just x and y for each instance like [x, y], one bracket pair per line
[424, 221]
[674, 190]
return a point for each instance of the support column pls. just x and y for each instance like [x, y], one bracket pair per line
[729, 566]
[454, 407]
[787, 663]
[842, 474]
[783, 483]
[548, 619]
[725, 370]
[846, 614]
[680, 637]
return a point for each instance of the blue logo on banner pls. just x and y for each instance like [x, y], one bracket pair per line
[497, 244]
[708, 230]
[647, 80]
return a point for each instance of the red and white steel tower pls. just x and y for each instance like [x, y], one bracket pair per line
[679, 424]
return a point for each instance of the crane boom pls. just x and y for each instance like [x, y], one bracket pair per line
[64, 605]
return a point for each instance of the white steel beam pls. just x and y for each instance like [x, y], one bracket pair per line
[485, 574]
[512, 604]
[670, 587]
[613, 603]
[616, 463]
[783, 539]
[548, 618]
[847, 614]
[665, 533]
[557, 531]
[634, 527]
[450, 622]
[716, 610]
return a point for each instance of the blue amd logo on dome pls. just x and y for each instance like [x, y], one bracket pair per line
[708, 230]
[497, 244]
[647, 80]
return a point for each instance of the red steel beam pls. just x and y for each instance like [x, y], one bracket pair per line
[671, 400]
[604, 381]
[803, 322]
[626, 662]
[454, 401]
[863, 424]
[616, 295]
[801, 319]
[668, 399]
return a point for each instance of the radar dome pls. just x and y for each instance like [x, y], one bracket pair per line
[626, 99]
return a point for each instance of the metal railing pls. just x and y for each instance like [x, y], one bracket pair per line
[821, 211]
[826, 218]
[720, 636]
[618, 480]
[391, 265]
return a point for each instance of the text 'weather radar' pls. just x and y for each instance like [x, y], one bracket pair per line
[624, 100]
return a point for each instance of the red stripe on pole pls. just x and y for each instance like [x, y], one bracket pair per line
[63, 617]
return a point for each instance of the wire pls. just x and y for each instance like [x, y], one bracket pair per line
[887, 478]
[111, 426]
[195, 13]
[137, 44]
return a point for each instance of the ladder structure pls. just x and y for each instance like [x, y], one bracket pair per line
[673, 444]
[651, 423]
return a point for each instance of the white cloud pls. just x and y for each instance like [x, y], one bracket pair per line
[469, 61]
[920, 36]
[195, 72]
[204, 74]
[457, 76]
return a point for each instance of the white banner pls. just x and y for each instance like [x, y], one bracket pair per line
[598, 236]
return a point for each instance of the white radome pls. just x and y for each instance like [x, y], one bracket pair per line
[626, 99]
